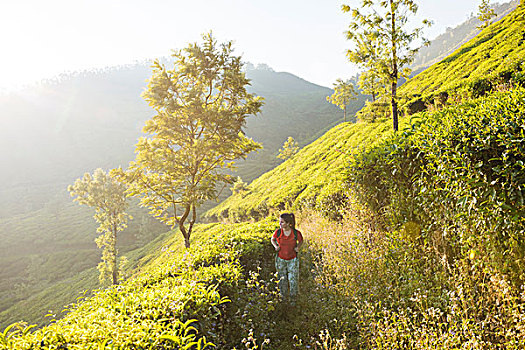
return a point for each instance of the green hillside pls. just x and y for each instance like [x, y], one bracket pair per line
[213, 292]
[312, 178]
[49, 284]
[491, 60]
[293, 107]
[446, 43]
[91, 119]
[413, 239]
[428, 250]
[47, 249]
[428, 255]
[59, 130]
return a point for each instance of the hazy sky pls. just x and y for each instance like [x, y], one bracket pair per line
[305, 37]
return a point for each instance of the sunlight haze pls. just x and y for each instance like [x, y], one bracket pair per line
[43, 39]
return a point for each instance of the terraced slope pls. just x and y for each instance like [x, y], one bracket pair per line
[495, 56]
[311, 178]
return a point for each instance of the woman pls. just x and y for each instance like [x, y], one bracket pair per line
[287, 241]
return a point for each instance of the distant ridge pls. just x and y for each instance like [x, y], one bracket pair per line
[62, 128]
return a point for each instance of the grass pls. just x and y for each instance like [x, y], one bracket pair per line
[167, 292]
[31, 302]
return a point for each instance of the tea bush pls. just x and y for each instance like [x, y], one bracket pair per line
[195, 299]
[311, 179]
[459, 171]
[491, 61]
[448, 195]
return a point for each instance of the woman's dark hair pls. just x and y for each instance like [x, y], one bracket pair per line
[289, 218]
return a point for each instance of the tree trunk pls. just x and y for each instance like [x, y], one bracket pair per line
[182, 229]
[193, 219]
[114, 256]
[394, 106]
[394, 67]
[344, 113]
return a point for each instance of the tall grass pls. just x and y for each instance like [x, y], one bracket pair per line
[390, 294]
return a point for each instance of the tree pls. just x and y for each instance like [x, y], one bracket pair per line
[344, 91]
[379, 27]
[371, 84]
[201, 106]
[290, 148]
[107, 195]
[370, 81]
[485, 14]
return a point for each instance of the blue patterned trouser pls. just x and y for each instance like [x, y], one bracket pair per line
[288, 273]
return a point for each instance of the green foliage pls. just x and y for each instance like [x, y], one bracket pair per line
[344, 92]
[486, 13]
[107, 195]
[371, 84]
[180, 298]
[493, 60]
[434, 260]
[201, 105]
[290, 148]
[374, 111]
[48, 223]
[239, 186]
[389, 291]
[372, 280]
[459, 173]
[311, 179]
[454, 37]
[62, 279]
[384, 45]
[43, 268]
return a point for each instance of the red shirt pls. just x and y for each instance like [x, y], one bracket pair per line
[287, 244]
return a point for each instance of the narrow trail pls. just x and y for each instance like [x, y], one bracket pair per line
[299, 327]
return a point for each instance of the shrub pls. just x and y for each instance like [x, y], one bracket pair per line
[459, 171]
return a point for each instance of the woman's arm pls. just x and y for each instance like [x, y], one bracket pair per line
[275, 244]
[300, 241]
[299, 244]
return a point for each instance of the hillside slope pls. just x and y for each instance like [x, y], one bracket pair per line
[448, 42]
[172, 289]
[57, 131]
[361, 287]
[53, 133]
[56, 289]
[494, 57]
[434, 260]
[311, 178]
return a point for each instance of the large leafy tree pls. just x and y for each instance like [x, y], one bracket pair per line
[107, 195]
[344, 92]
[383, 42]
[201, 106]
